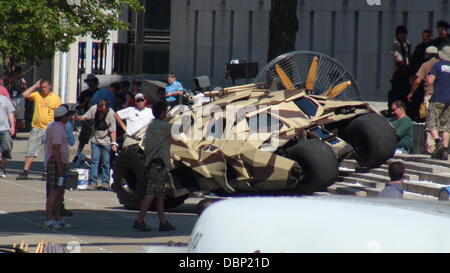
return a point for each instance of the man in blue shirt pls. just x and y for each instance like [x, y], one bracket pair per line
[173, 89]
[438, 117]
[106, 94]
[394, 190]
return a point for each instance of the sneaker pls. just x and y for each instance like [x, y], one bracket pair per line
[64, 225]
[142, 226]
[166, 227]
[22, 176]
[44, 177]
[51, 225]
[92, 187]
[104, 187]
[2, 172]
[438, 150]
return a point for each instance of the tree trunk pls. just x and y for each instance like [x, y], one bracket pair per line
[8, 70]
[283, 27]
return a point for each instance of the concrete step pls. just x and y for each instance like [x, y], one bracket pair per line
[379, 182]
[443, 163]
[363, 182]
[410, 165]
[414, 196]
[418, 166]
[425, 177]
[414, 158]
[346, 190]
[380, 176]
[443, 179]
[420, 187]
[349, 164]
[370, 177]
[364, 188]
[426, 159]
[370, 192]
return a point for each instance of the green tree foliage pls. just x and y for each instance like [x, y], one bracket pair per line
[36, 29]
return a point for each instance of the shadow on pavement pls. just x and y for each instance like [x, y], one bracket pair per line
[15, 167]
[98, 223]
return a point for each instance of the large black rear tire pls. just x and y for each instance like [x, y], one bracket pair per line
[373, 139]
[318, 162]
[130, 182]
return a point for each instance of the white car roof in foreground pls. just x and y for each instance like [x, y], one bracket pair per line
[322, 224]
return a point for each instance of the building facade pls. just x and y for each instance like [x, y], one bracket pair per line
[198, 37]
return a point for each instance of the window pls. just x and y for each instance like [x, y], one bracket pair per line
[263, 123]
[157, 14]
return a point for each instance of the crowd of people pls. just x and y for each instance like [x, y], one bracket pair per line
[122, 115]
[118, 116]
[421, 90]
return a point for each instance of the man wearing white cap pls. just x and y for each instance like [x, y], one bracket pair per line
[432, 57]
[438, 117]
[137, 119]
[58, 162]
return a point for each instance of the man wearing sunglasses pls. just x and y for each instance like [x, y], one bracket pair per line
[137, 119]
[403, 127]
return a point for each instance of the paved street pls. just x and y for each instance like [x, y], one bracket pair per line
[101, 224]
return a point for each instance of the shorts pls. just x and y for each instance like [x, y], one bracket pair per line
[438, 117]
[35, 142]
[157, 180]
[52, 172]
[5, 144]
[130, 141]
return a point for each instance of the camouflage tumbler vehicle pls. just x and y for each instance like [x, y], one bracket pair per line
[286, 136]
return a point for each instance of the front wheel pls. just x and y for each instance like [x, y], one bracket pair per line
[372, 138]
[319, 164]
[130, 180]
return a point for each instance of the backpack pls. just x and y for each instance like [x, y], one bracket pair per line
[100, 123]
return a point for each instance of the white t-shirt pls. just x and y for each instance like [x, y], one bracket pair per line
[136, 120]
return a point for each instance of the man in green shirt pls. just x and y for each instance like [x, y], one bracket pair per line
[403, 127]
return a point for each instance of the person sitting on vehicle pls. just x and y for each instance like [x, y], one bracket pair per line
[403, 127]
[137, 119]
[157, 162]
[394, 189]
[173, 90]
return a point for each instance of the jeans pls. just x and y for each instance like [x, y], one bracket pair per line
[98, 151]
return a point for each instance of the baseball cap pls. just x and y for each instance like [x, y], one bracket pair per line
[431, 50]
[139, 96]
[91, 77]
[63, 110]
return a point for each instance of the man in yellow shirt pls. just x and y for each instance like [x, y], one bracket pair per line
[45, 103]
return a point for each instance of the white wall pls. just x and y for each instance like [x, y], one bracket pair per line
[372, 63]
